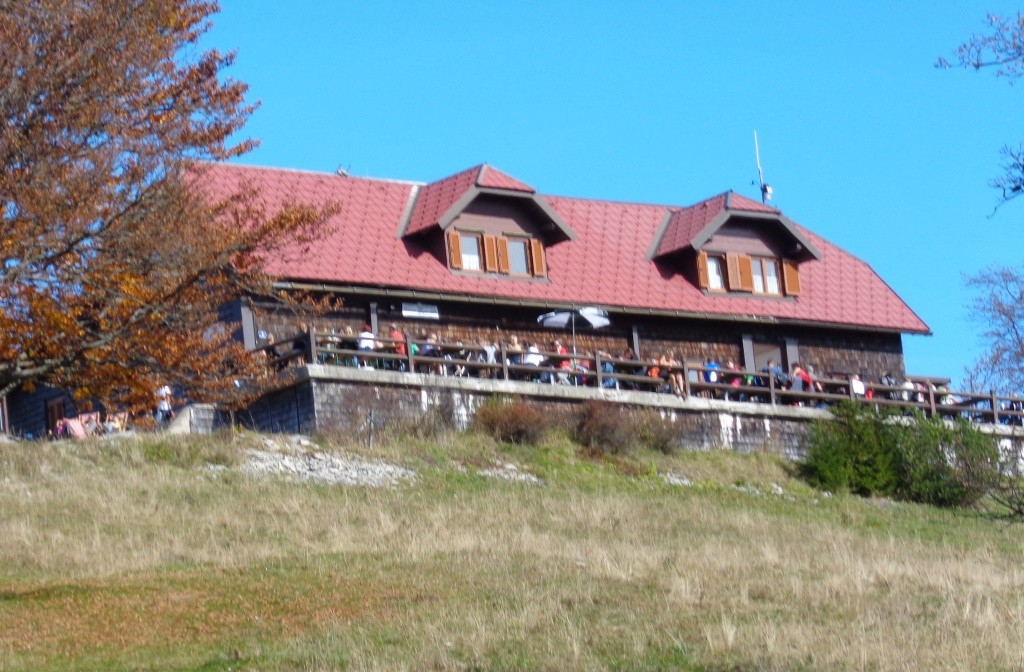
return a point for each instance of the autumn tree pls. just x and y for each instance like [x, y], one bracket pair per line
[1001, 50]
[114, 264]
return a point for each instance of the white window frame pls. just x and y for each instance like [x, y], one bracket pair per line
[474, 261]
[716, 274]
[523, 244]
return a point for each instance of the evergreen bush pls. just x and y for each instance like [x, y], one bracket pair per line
[853, 451]
[944, 465]
[913, 458]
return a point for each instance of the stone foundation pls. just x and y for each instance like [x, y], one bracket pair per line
[327, 398]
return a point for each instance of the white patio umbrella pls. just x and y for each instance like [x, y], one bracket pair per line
[588, 316]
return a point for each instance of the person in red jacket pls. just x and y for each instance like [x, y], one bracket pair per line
[397, 344]
[803, 381]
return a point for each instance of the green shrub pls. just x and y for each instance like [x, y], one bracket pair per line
[853, 451]
[944, 465]
[512, 421]
[911, 458]
[604, 427]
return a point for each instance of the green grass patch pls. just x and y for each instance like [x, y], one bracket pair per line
[138, 556]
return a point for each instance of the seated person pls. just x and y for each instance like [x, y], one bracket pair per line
[485, 355]
[731, 376]
[458, 370]
[348, 341]
[672, 373]
[560, 361]
[629, 354]
[396, 345]
[857, 386]
[366, 342]
[514, 350]
[582, 367]
[607, 367]
[514, 356]
[654, 373]
[888, 381]
[711, 375]
[432, 349]
[532, 357]
[563, 363]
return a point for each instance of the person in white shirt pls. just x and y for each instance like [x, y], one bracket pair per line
[366, 339]
[533, 356]
[164, 410]
[857, 385]
[366, 342]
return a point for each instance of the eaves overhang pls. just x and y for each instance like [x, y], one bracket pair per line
[545, 305]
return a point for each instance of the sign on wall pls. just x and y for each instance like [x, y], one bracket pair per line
[423, 311]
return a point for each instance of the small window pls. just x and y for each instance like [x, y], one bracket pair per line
[715, 278]
[766, 275]
[518, 256]
[470, 244]
[495, 255]
[771, 276]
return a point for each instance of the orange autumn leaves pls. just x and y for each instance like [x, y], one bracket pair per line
[113, 268]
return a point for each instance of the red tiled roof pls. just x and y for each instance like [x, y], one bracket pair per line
[495, 179]
[436, 198]
[734, 201]
[686, 224]
[606, 265]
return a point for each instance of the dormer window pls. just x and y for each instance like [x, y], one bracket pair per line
[766, 275]
[741, 273]
[715, 275]
[518, 256]
[470, 245]
[511, 255]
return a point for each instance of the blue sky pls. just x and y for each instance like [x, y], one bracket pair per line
[863, 140]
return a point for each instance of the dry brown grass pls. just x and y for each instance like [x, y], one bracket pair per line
[112, 556]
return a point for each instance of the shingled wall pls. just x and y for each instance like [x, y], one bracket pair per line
[827, 349]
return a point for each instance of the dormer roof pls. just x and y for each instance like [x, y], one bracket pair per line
[693, 227]
[438, 204]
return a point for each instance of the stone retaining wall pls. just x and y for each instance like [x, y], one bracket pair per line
[335, 398]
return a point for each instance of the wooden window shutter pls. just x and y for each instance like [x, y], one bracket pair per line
[492, 263]
[702, 270]
[454, 250]
[502, 254]
[790, 278]
[746, 273]
[732, 272]
[537, 264]
[739, 277]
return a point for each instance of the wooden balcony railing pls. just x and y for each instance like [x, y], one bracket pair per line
[604, 372]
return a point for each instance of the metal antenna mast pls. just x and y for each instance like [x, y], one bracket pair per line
[766, 189]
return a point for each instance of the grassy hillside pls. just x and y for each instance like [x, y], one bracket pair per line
[137, 554]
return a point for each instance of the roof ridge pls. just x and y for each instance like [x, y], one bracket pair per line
[306, 171]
